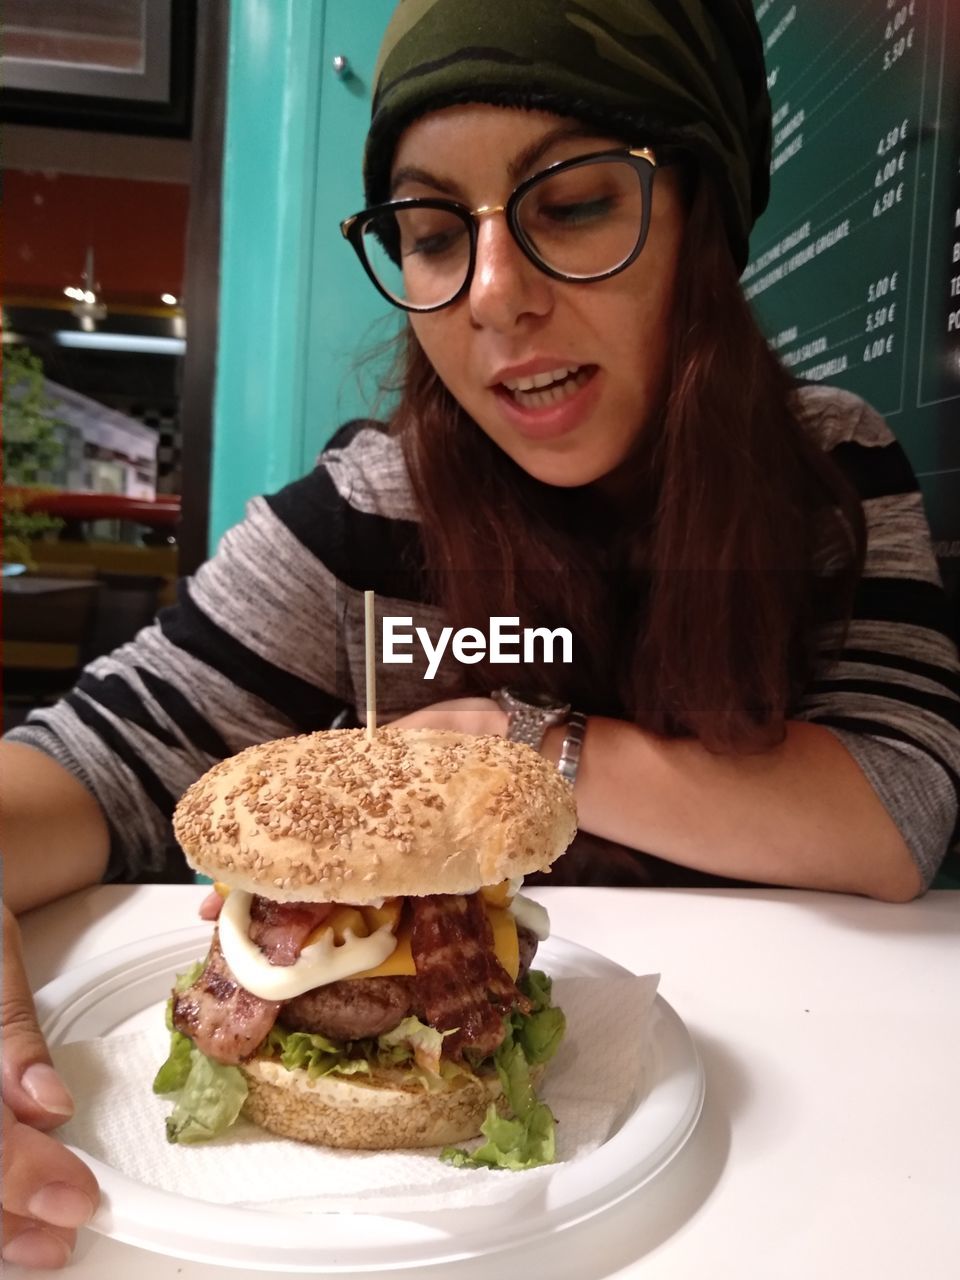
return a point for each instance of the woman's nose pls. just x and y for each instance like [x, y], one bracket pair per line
[506, 285]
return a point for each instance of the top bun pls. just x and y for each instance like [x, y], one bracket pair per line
[339, 817]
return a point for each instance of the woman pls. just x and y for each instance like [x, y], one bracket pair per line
[591, 434]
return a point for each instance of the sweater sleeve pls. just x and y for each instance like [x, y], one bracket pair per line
[251, 650]
[891, 692]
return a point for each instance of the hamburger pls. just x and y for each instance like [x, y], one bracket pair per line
[369, 981]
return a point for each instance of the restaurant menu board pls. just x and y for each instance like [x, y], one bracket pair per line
[855, 266]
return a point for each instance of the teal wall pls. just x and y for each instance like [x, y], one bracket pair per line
[294, 303]
[347, 316]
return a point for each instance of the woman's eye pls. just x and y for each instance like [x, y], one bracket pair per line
[434, 243]
[575, 213]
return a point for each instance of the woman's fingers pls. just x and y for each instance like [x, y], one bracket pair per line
[31, 1087]
[42, 1179]
[210, 906]
[47, 1193]
[28, 1243]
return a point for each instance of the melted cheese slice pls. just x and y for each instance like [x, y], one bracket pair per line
[505, 946]
[356, 942]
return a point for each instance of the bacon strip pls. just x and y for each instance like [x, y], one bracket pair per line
[460, 982]
[281, 928]
[223, 1019]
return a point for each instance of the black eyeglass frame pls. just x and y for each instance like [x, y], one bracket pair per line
[642, 159]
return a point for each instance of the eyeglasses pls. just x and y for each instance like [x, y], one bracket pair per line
[579, 220]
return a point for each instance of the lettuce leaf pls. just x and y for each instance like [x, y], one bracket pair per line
[315, 1054]
[209, 1102]
[172, 1076]
[410, 1042]
[541, 1030]
[511, 1143]
[514, 1072]
[423, 1041]
[538, 988]
[528, 1137]
[184, 981]
[210, 1094]
[540, 1034]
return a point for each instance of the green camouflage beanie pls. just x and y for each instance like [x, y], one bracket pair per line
[685, 72]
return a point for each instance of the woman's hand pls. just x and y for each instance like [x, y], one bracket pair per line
[465, 715]
[47, 1191]
[210, 906]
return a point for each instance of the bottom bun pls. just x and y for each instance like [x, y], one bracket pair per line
[378, 1114]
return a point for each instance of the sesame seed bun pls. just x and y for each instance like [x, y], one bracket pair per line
[379, 1114]
[338, 817]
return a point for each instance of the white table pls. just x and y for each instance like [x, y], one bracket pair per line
[829, 1028]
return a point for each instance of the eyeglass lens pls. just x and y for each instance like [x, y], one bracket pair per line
[582, 222]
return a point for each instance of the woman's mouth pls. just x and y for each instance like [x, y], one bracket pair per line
[545, 406]
[541, 390]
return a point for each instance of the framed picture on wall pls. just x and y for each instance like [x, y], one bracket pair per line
[125, 66]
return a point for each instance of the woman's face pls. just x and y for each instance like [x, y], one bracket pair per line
[611, 337]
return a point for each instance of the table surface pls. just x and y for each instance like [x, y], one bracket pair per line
[829, 1030]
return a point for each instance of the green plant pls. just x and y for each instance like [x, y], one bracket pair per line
[31, 445]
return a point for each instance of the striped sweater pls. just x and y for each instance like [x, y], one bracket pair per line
[267, 639]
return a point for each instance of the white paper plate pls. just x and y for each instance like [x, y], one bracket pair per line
[121, 990]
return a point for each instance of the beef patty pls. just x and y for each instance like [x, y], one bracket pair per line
[368, 1007]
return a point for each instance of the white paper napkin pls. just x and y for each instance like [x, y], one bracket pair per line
[593, 1083]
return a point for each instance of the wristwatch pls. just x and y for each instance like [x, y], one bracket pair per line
[530, 714]
[569, 762]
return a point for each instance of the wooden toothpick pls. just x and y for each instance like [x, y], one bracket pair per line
[370, 648]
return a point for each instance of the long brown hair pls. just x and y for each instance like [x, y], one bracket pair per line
[694, 601]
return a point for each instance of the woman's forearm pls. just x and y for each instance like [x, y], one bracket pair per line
[802, 814]
[53, 833]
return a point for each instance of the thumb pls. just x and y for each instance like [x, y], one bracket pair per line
[31, 1087]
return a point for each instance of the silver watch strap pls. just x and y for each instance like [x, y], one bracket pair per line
[569, 761]
[527, 725]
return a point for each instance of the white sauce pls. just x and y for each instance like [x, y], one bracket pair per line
[322, 962]
[531, 915]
